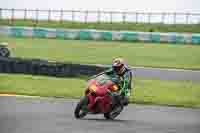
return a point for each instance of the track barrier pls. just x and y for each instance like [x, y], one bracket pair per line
[86, 34]
[44, 67]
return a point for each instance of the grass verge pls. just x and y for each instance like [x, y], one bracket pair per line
[102, 52]
[156, 27]
[174, 93]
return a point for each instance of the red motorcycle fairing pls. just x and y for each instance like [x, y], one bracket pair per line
[99, 101]
[99, 104]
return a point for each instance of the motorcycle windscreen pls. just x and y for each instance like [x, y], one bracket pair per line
[108, 81]
[102, 79]
[104, 83]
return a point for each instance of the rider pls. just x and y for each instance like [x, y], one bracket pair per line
[121, 75]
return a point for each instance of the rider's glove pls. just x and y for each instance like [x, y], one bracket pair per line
[128, 93]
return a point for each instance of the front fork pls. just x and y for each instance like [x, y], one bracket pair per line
[84, 104]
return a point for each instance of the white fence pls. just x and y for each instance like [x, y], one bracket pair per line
[100, 16]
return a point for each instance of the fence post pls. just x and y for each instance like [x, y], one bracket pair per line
[198, 20]
[111, 17]
[174, 18]
[61, 16]
[49, 15]
[124, 17]
[1, 13]
[86, 16]
[163, 18]
[37, 15]
[136, 15]
[13, 15]
[99, 16]
[149, 18]
[187, 18]
[73, 15]
[25, 14]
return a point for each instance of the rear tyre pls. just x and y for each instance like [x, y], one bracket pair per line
[79, 112]
[107, 115]
[114, 113]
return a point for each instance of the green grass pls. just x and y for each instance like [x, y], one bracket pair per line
[157, 27]
[102, 52]
[176, 93]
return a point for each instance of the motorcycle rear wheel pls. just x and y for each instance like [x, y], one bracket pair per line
[114, 113]
[79, 113]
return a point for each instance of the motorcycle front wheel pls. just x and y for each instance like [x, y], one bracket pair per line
[79, 112]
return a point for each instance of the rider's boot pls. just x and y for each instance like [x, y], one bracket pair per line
[115, 100]
[124, 101]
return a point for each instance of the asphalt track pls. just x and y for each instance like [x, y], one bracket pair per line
[163, 73]
[50, 115]
[166, 74]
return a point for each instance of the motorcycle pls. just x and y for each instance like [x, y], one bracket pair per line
[4, 51]
[97, 99]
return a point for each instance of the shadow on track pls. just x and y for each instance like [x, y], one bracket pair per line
[105, 120]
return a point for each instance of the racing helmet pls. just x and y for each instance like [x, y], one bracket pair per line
[118, 65]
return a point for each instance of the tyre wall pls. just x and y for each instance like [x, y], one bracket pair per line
[43, 67]
[155, 37]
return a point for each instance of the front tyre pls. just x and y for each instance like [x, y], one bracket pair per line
[79, 112]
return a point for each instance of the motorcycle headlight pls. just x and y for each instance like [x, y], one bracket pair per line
[115, 88]
[93, 88]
